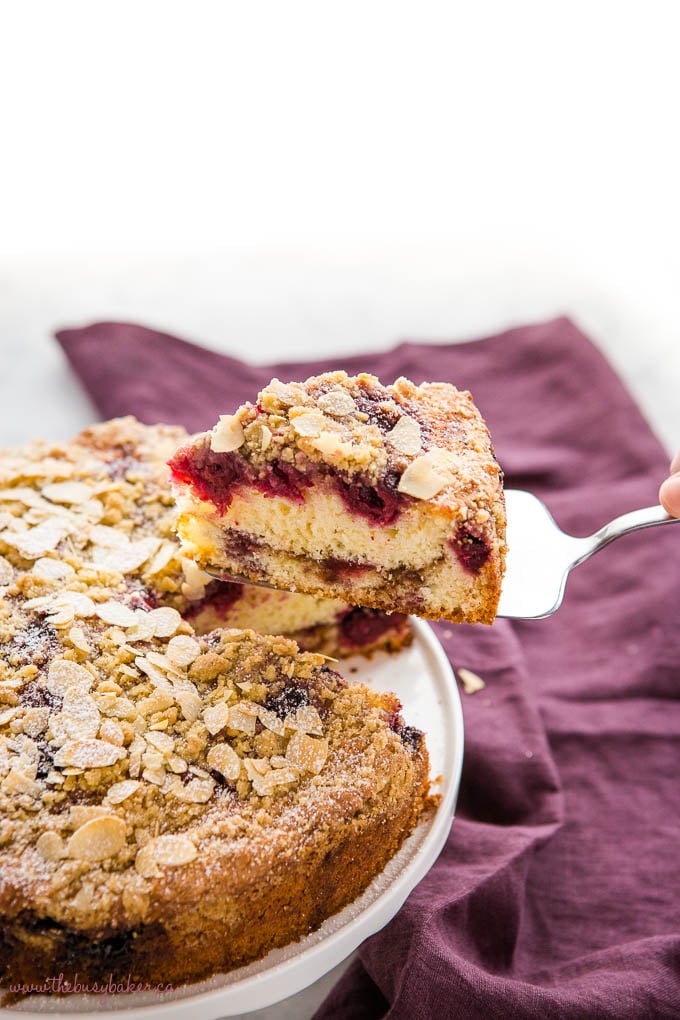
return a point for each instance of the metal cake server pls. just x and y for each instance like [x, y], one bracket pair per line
[541, 555]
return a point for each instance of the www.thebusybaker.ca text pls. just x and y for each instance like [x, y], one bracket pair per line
[59, 985]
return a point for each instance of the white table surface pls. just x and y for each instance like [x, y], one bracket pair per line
[264, 306]
[269, 306]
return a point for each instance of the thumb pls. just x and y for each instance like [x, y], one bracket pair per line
[669, 495]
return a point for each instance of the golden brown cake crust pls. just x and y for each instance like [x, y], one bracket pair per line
[160, 791]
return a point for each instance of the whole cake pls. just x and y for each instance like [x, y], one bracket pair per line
[171, 804]
[388, 497]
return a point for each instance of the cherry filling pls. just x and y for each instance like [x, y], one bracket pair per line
[215, 476]
[219, 596]
[37, 696]
[33, 646]
[410, 737]
[212, 476]
[374, 404]
[381, 503]
[140, 597]
[79, 955]
[283, 479]
[360, 627]
[472, 550]
[289, 698]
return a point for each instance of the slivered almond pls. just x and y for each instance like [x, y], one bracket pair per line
[309, 423]
[331, 445]
[116, 614]
[169, 851]
[216, 717]
[163, 742]
[405, 436]
[265, 438]
[161, 559]
[125, 559]
[142, 630]
[242, 720]
[98, 839]
[164, 621]
[306, 719]
[52, 570]
[271, 721]
[64, 673]
[17, 782]
[190, 704]
[227, 434]
[104, 535]
[425, 476]
[176, 764]
[470, 681]
[67, 492]
[77, 637]
[182, 650]
[337, 403]
[51, 846]
[157, 677]
[35, 721]
[88, 754]
[82, 605]
[79, 718]
[307, 753]
[196, 791]
[35, 542]
[224, 759]
[283, 392]
[256, 767]
[119, 792]
[286, 774]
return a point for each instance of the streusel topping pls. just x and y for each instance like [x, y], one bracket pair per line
[360, 427]
[128, 744]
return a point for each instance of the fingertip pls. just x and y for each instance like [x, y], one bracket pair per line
[669, 495]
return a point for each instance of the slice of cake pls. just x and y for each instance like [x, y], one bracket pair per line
[387, 497]
[171, 805]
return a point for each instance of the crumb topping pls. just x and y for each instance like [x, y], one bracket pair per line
[129, 744]
[429, 438]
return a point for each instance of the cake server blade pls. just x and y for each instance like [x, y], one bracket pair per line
[541, 555]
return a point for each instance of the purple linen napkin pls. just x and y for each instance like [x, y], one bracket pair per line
[558, 892]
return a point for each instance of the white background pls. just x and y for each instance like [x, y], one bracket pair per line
[276, 179]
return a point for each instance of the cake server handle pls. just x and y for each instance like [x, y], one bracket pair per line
[541, 555]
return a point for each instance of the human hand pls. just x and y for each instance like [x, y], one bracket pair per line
[669, 493]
